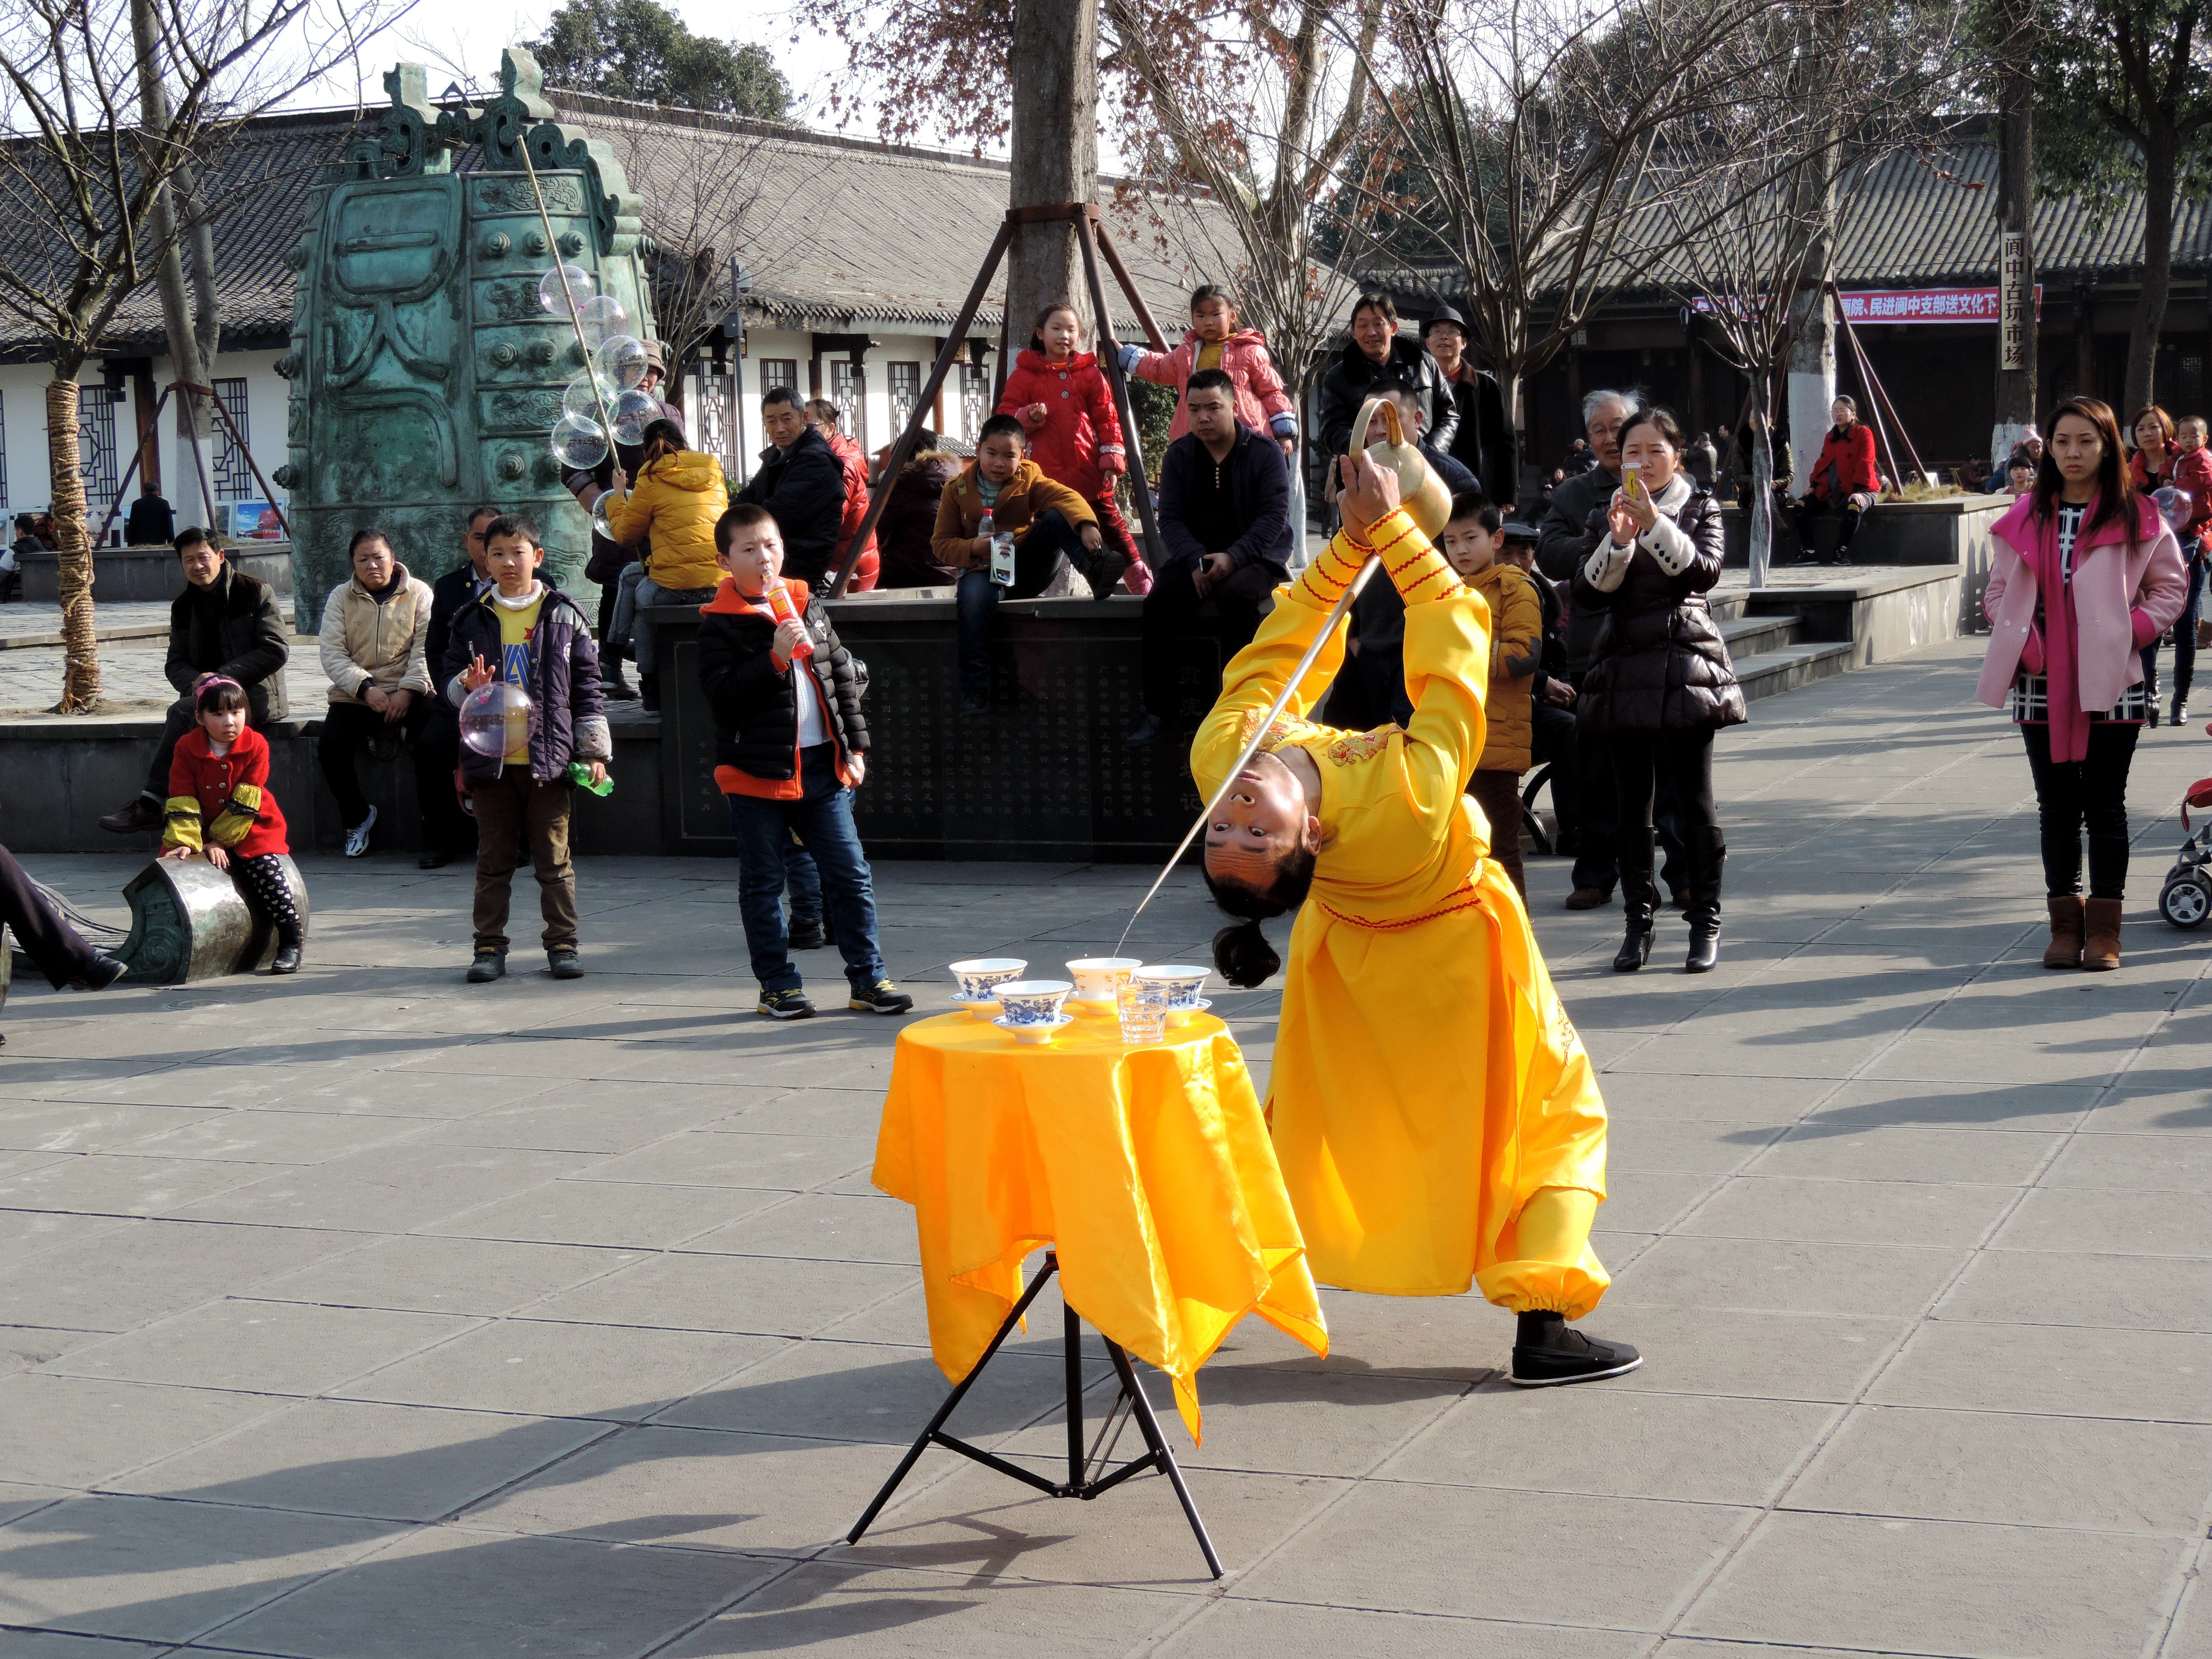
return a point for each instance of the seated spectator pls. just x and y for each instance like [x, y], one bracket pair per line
[2029, 448]
[375, 631]
[11, 560]
[151, 524]
[615, 566]
[1377, 688]
[1045, 522]
[678, 498]
[802, 483]
[224, 622]
[1225, 515]
[1580, 458]
[447, 832]
[1215, 341]
[1551, 694]
[905, 534]
[824, 417]
[57, 949]
[1844, 480]
[2019, 475]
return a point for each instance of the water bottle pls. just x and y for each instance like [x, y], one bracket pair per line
[1002, 551]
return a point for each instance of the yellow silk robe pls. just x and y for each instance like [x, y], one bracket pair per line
[1426, 1082]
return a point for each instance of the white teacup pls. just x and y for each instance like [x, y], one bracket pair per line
[1097, 978]
[980, 978]
[1185, 985]
[1031, 1001]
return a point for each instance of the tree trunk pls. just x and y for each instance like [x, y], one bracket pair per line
[1759, 537]
[2017, 386]
[2158, 269]
[1054, 154]
[80, 645]
[188, 365]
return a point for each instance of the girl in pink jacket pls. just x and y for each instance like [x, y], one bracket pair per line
[2084, 572]
[1216, 341]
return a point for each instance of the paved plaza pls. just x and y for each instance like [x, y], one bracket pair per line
[373, 1316]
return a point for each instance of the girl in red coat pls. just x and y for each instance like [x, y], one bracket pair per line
[1060, 397]
[1844, 480]
[220, 806]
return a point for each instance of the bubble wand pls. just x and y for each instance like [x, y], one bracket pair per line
[567, 294]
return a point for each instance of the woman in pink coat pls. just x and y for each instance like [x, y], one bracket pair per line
[2084, 572]
[1059, 395]
[1216, 341]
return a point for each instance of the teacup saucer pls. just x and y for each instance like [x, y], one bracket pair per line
[1181, 1016]
[982, 1008]
[1033, 1033]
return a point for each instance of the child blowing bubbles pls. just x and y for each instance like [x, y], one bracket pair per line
[542, 643]
[791, 743]
[1472, 544]
[220, 807]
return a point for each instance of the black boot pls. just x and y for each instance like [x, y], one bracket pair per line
[2181, 678]
[648, 688]
[1640, 901]
[1708, 852]
[1548, 1352]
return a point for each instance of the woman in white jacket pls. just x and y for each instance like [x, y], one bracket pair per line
[372, 639]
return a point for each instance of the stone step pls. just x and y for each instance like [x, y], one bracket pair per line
[1786, 667]
[1750, 636]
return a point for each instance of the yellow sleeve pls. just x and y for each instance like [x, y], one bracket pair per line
[180, 822]
[1447, 670]
[235, 821]
[628, 515]
[1255, 675]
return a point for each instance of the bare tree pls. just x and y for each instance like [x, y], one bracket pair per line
[1530, 141]
[82, 185]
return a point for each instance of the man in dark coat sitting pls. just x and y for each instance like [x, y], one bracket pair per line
[802, 483]
[1225, 514]
[224, 622]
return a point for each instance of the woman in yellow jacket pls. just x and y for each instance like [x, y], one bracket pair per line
[677, 497]
[1437, 1119]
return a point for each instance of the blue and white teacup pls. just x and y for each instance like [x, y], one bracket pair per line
[1032, 1001]
[980, 979]
[1185, 985]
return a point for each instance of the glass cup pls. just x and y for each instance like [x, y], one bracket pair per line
[1143, 1011]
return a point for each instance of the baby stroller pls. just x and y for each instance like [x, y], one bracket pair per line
[2185, 899]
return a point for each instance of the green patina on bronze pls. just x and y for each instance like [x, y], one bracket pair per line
[425, 374]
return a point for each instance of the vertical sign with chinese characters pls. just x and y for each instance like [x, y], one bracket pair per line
[2012, 315]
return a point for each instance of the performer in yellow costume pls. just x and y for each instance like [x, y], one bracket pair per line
[1435, 1117]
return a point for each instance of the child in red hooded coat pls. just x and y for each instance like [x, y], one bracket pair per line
[1060, 397]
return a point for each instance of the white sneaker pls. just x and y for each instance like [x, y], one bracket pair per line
[358, 838]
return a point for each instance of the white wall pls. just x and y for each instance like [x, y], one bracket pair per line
[797, 346]
[27, 477]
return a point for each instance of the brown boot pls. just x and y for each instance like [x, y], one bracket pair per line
[2102, 951]
[2064, 950]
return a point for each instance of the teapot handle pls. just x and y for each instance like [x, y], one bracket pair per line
[1358, 447]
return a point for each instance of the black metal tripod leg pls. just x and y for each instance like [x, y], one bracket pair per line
[1148, 1427]
[1071, 1330]
[959, 1390]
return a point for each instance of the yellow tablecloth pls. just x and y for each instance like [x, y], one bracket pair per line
[1148, 1168]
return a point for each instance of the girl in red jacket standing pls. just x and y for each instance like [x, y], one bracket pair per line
[220, 807]
[1844, 480]
[1060, 397]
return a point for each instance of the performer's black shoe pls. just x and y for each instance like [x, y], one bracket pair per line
[1548, 1351]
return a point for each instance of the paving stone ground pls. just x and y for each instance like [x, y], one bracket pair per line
[371, 1315]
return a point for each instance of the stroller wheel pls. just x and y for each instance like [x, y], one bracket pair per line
[2185, 901]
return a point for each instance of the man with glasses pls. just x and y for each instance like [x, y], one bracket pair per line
[447, 832]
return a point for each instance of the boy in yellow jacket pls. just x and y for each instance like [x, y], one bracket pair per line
[1437, 1119]
[1473, 545]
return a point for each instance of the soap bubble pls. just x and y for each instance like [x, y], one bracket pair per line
[578, 443]
[633, 411]
[554, 299]
[584, 393]
[497, 719]
[2173, 505]
[602, 525]
[601, 318]
[621, 358]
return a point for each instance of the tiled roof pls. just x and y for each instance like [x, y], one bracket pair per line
[840, 231]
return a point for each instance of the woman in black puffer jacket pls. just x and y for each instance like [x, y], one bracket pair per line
[1660, 683]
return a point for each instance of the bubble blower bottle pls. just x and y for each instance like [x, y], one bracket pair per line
[780, 607]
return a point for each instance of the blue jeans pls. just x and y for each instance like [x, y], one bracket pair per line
[1035, 557]
[649, 591]
[805, 881]
[822, 816]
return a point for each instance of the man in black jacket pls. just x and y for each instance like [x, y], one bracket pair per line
[1224, 513]
[802, 483]
[151, 522]
[1483, 442]
[450, 833]
[611, 561]
[224, 622]
[792, 746]
[1375, 357]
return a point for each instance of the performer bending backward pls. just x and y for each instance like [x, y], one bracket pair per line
[1436, 1118]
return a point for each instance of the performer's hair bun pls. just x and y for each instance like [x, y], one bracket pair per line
[1242, 955]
